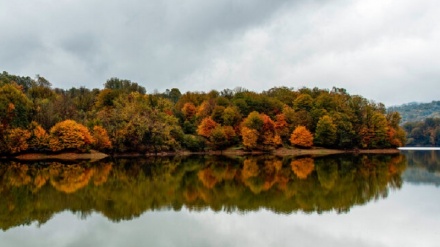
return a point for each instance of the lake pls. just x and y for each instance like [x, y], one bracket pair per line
[338, 200]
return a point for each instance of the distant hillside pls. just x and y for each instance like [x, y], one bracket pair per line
[414, 112]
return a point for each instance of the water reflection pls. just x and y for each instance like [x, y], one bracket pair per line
[125, 188]
[423, 167]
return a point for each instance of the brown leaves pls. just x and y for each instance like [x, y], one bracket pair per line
[17, 140]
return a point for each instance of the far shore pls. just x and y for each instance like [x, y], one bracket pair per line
[95, 155]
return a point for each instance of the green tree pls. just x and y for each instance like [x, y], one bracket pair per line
[303, 102]
[134, 124]
[15, 107]
[325, 134]
[219, 138]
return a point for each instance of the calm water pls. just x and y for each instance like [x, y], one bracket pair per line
[344, 200]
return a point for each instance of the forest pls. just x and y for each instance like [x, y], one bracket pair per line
[423, 133]
[123, 118]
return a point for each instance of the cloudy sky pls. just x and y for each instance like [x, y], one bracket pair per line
[384, 50]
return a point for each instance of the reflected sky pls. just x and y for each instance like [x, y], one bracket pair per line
[408, 217]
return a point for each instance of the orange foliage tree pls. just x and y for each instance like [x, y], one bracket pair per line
[301, 137]
[206, 127]
[189, 110]
[281, 126]
[258, 131]
[101, 138]
[269, 135]
[397, 137]
[70, 135]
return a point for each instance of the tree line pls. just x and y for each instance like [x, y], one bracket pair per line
[123, 117]
[423, 133]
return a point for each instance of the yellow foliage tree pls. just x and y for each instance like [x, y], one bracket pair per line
[277, 140]
[301, 137]
[101, 138]
[17, 140]
[250, 137]
[70, 135]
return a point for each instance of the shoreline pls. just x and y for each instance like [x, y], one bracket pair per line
[95, 155]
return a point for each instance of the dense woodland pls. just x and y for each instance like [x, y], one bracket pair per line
[124, 118]
[423, 133]
[421, 121]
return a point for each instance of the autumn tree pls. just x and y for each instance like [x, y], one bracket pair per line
[141, 124]
[301, 137]
[374, 132]
[396, 134]
[281, 126]
[205, 109]
[206, 127]
[219, 138]
[101, 139]
[39, 139]
[250, 137]
[189, 110]
[262, 127]
[16, 141]
[70, 135]
[270, 137]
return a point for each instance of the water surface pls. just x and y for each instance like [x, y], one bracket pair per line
[343, 200]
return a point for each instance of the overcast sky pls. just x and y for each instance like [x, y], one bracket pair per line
[385, 50]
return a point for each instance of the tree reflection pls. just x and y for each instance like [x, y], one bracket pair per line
[428, 159]
[122, 189]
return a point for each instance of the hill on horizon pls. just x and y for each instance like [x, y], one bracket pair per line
[415, 112]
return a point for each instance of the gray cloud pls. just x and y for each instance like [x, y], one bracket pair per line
[379, 49]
